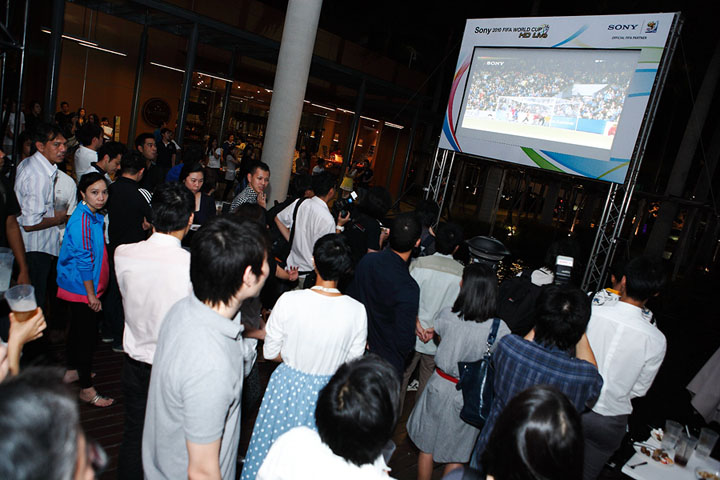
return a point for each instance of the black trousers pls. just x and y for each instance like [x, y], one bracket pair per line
[136, 383]
[81, 341]
[39, 267]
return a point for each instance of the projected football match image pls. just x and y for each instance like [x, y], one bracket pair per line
[572, 96]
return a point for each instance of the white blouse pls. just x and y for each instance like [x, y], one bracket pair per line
[299, 454]
[315, 333]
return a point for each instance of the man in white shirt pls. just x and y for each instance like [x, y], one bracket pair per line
[629, 351]
[152, 275]
[313, 221]
[438, 277]
[90, 136]
[39, 219]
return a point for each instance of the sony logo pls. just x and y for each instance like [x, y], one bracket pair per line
[622, 27]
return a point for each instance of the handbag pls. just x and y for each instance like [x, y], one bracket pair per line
[476, 382]
[281, 247]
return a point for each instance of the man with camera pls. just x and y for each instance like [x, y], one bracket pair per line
[311, 219]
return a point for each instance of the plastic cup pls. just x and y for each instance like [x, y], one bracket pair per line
[6, 266]
[21, 299]
[706, 443]
[684, 449]
[672, 432]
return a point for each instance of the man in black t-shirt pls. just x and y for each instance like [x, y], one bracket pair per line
[166, 151]
[63, 117]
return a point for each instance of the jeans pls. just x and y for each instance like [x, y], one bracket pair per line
[136, 383]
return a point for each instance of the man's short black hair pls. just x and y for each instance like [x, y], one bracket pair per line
[163, 131]
[172, 205]
[562, 315]
[300, 184]
[39, 421]
[333, 257]
[404, 232]
[140, 139]
[221, 251]
[261, 165]
[64, 103]
[45, 132]
[357, 410]
[112, 150]
[448, 237]
[322, 183]
[87, 132]
[132, 162]
[644, 278]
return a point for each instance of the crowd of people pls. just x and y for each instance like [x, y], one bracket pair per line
[524, 91]
[348, 303]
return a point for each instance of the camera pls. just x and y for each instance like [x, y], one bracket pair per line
[563, 270]
[346, 205]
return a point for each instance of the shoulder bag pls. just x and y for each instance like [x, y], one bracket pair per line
[476, 383]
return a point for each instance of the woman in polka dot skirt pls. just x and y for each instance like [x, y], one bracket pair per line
[312, 332]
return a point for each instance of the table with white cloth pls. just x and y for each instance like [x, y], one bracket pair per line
[654, 470]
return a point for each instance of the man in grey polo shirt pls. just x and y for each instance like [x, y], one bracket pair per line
[192, 424]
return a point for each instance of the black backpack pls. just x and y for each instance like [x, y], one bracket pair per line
[516, 303]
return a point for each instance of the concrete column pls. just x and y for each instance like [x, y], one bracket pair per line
[293, 69]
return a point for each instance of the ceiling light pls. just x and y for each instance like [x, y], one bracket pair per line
[71, 37]
[95, 47]
[323, 107]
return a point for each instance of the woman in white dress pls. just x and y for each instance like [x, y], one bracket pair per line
[312, 332]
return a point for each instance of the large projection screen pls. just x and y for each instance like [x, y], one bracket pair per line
[566, 94]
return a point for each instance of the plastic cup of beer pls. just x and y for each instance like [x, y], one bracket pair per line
[21, 299]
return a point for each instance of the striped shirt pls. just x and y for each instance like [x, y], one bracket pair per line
[248, 195]
[521, 364]
[34, 187]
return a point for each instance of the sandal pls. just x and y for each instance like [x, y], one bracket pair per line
[97, 398]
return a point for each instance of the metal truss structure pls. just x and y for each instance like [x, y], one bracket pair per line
[619, 196]
[440, 177]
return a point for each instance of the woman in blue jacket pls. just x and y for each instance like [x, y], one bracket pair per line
[82, 277]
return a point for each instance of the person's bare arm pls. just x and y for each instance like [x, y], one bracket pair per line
[204, 460]
[20, 334]
[285, 231]
[583, 350]
[47, 222]
[12, 230]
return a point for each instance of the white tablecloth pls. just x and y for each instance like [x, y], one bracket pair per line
[658, 471]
